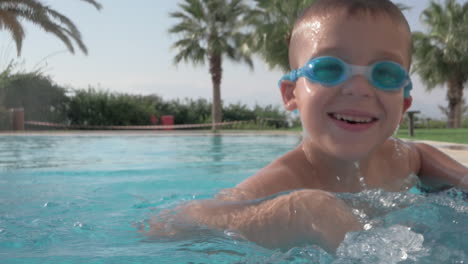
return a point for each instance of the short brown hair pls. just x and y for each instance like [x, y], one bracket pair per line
[354, 8]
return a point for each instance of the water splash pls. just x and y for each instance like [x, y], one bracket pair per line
[233, 234]
[383, 245]
[50, 204]
[361, 215]
[395, 133]
[303, 146]
[401, 148]
[362, 181]
[82, 226]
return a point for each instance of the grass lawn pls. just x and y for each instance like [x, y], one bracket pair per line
[459, 135]
[437, 134]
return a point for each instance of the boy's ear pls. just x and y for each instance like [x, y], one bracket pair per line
[406, 105]
[287, 93]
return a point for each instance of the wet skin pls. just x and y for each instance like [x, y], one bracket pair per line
[335, 155]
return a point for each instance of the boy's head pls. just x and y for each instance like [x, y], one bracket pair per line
[314, 17]
[353, 101]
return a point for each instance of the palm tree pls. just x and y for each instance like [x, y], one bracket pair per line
[273, 21]
[446, 111]
[12, 12]
[441, 55]
[211, 30]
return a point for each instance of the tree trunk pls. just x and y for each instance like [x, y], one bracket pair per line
[455, 105]
[216, 74]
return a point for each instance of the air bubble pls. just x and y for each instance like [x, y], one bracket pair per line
[82, 226]
[233, 234]
[50, 204]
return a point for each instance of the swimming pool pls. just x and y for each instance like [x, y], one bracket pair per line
[77, 198]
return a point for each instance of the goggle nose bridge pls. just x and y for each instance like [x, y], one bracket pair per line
[352, 70]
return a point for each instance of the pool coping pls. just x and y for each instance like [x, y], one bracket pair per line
[457, 151]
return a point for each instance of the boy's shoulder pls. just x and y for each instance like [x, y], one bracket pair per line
[400, 152]
[282, 174]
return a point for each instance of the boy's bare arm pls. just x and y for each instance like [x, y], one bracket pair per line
[438, 169]
[284, 221]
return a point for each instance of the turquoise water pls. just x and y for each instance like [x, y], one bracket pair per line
[77, 199]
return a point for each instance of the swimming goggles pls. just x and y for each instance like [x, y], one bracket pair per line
[330, 71]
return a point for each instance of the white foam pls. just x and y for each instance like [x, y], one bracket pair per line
[382, 245]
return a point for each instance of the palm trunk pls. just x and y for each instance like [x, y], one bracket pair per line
[216, 74]
[455, 98]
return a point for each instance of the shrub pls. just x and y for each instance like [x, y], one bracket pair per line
[187, 111]
[238, 112]
[92, 107]
[41, 99]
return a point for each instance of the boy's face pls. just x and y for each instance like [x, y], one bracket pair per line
[329, 114]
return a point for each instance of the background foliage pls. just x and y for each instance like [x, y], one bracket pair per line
[41, 99]
[45, 101]
[102, 108]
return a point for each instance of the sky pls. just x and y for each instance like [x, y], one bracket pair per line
[130, 52]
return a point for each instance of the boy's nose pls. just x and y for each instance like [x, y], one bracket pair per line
[358, 85]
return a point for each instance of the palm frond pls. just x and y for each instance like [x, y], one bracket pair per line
[48, 19]
[273, 21]
[403, 7]
[10, 23]
[213, 24]
[440, 56]
[97, 5]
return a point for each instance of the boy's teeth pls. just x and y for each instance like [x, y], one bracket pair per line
[352, 118]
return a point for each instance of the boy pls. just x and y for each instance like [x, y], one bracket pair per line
[352, 88]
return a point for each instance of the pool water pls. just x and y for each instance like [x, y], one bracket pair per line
[79, 199]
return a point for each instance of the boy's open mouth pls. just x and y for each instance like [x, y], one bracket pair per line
[355, 120]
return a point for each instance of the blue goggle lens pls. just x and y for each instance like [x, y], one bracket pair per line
[388, 75]
[327, 70]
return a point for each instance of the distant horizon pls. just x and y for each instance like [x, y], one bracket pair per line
[130, 52]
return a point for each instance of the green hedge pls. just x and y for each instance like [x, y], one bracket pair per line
[101, 108]
[43, 100]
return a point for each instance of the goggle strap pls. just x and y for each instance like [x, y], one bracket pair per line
[408, 88]
[298, 73]
[292, 76]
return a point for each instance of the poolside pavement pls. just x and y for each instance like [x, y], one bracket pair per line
[459, 152]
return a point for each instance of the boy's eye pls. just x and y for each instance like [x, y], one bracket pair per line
[387, 74]
[328, 71]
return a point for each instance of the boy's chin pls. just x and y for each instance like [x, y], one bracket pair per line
[346, 149]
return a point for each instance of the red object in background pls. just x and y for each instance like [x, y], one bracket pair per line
[154, 120]
[167, 120]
